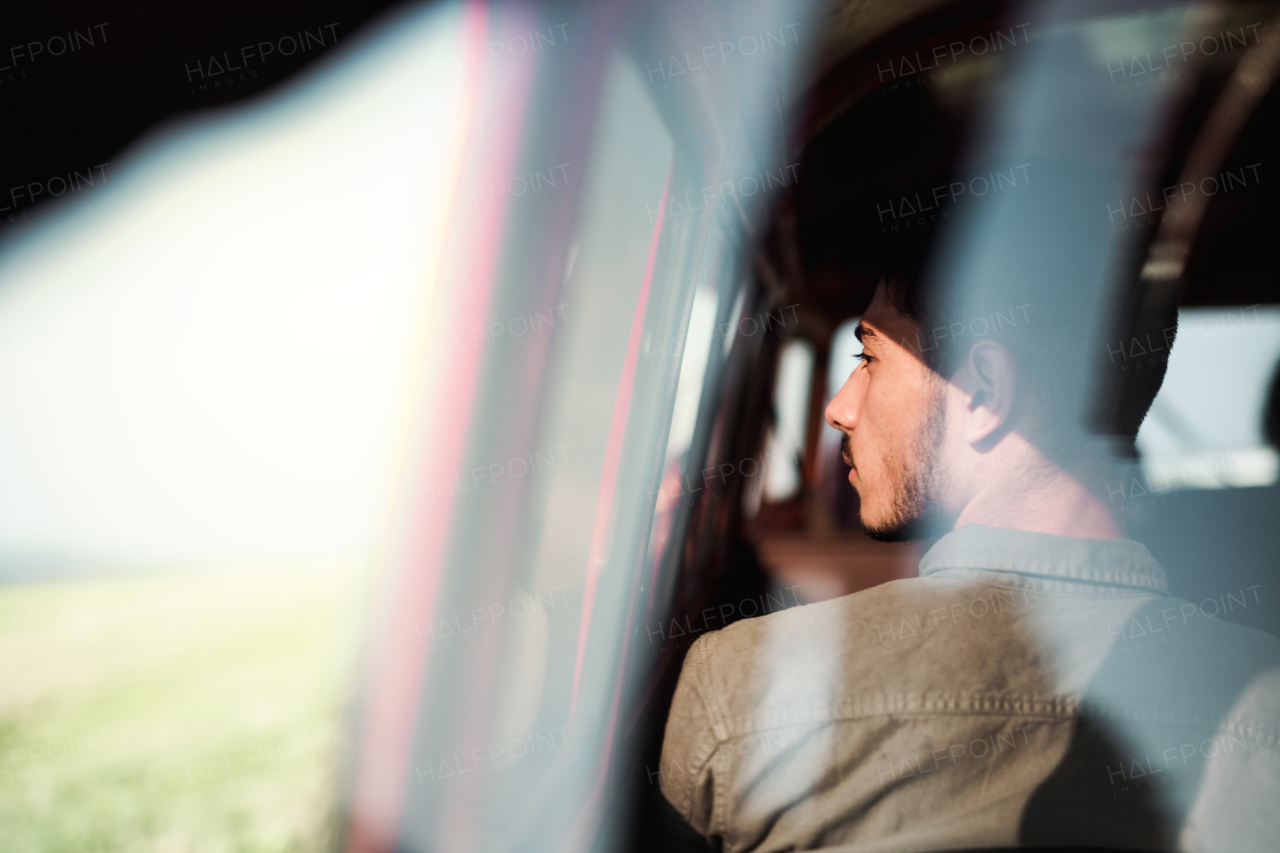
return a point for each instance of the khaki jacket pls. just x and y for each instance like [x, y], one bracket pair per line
[1025, 689]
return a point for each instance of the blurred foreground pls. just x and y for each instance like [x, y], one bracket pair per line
[176, 712]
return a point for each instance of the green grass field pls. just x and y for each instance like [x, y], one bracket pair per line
[199, 711]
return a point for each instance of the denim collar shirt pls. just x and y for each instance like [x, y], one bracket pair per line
[1024, 690]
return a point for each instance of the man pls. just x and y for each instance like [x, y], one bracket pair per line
[1036, 685]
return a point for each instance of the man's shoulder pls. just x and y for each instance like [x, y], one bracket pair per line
[1175, 654]
[891, 616]
[797, 627]
[810, 658]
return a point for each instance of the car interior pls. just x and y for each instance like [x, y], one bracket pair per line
[819, 256]
[598, 267]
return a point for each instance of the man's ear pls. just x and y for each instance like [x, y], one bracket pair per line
[989, 379]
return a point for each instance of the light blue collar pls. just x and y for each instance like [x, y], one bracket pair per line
[1119, 562]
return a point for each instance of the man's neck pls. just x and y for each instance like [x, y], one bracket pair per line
[1039, 497]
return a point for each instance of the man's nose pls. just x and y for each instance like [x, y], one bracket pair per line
[842, 411]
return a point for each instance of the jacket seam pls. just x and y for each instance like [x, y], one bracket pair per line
[706, 696]
[1114, 589]
[1268, 738]
[818, 720]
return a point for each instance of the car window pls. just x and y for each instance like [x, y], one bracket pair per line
[791, 405]
[1205, 429]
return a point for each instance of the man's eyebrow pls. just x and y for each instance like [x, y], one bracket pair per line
[862, 332]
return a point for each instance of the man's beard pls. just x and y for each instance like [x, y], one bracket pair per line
[916, 481]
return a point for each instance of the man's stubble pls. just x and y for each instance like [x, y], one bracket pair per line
[915, 478]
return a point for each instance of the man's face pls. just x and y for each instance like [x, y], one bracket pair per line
[891, 411]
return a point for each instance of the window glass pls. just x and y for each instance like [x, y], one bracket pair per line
[202, 372]
[1204, 430]
[791, 412]
[524, 644]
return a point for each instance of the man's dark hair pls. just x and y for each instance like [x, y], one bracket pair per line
[1061, 374]
[869, 207]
